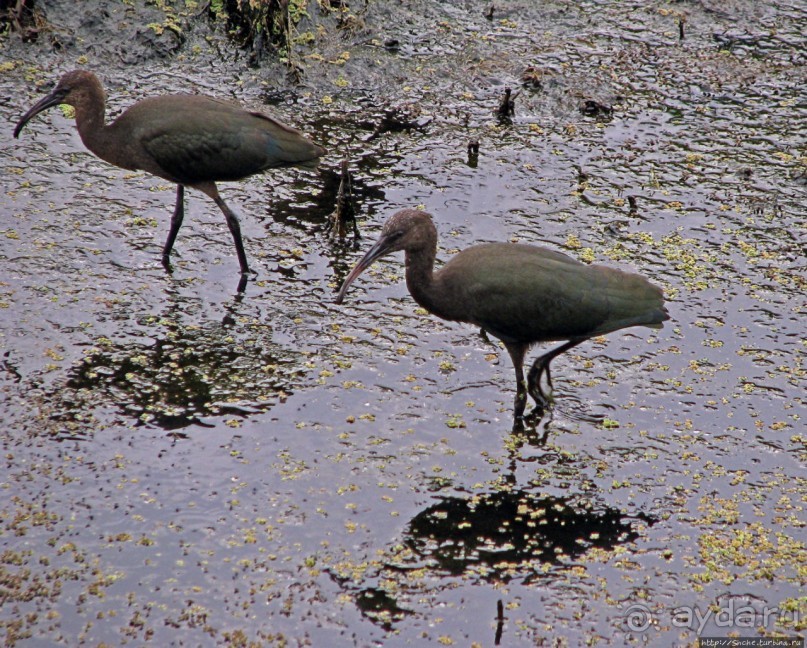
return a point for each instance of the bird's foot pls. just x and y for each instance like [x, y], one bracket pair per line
[541, 397]
[166, 261]
[533, 427]
[484, 335]
[246, 275]
[543, 401]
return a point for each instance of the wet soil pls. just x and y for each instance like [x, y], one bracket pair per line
[186, 464]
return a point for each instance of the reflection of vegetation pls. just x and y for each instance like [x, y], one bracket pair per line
[188, 373]
[493, 537]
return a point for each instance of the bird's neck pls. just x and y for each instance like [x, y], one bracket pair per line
[420, 276]
[90, 118]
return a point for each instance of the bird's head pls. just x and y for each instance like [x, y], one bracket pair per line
[408, 229]
[74, 89]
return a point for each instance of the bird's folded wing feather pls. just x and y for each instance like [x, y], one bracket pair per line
[525, 293]
[195, 138]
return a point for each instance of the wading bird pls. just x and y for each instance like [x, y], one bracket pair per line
[191, 140]
[521, 294]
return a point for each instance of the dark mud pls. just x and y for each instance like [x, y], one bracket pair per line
[186, 464]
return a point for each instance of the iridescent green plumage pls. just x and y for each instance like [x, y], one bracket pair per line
[191, 140]
[521, 294]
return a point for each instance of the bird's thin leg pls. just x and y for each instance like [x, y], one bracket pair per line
[541, 366]
[232, 222]
[520, 403]
[484, 335]
[517, 352]
[176, 223]
[235, 230]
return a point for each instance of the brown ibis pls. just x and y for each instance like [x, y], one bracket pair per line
[191, 140]
[521, 294]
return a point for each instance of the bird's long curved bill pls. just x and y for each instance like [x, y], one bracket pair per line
[53, 99]
[378, 250]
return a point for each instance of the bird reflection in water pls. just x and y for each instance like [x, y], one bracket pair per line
[494, 537]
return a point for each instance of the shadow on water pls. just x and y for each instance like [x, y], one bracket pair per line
[495, 538]
[179, 375]
[316, 210]
[359, 134]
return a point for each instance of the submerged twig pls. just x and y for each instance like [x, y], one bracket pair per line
[507, 106]
[473, 153]
[499, 622]
[345, 211]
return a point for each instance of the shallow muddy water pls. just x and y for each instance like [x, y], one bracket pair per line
[185, 464]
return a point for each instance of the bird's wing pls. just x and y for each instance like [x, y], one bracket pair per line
[190, 139]
[285, 145]
[526, 294]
